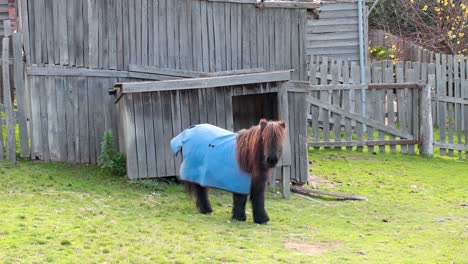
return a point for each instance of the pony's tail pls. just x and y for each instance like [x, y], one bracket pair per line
[190, 189]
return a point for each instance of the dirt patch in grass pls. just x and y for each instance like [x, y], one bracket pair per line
[316, 181]
[315, 248]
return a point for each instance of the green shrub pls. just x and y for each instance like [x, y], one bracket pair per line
[111, 160]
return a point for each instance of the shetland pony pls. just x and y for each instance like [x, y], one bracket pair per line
[256, 152]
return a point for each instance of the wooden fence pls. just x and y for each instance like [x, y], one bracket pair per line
[392, 100]
[13, 103]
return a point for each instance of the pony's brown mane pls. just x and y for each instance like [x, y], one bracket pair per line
[250, 144]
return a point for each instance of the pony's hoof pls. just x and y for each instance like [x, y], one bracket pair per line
[262, 221]
[239, 218]
[205, 211]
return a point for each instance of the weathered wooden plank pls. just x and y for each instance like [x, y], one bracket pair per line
[79, 33]
[140, 136]
[26, 27]
[112, 34]
[130, 136]
[93, 115]
[45, 82]
[390, 103]
[61, 98]
[159, 134]
[72, 120]
[170, 34]
[227, 32]
[399, 71]
[205, 29]
[217, 31]
[176, 19]
[426, 134]
[119, 37]
[144, 32]
[36, 124]
[209, 82]
[211, 105]
[93, 35]
[7, 102]
[49, 22]
[220, 107]
[292, 128]
[185, 109]
[132, 30]
[38, 8]
[86, 34]
[20, 94]
[126, 31]
[355, 73]
[163, 49]
[165, 71]
[245, 19]
[196, 23]
[176, 124]
[335, 100]
[228, 109]
[71, 31]
[83, 120]
[167, 132]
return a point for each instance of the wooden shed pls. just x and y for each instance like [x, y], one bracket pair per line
[152, 113]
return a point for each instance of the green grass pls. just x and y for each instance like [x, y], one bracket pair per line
[64, 213]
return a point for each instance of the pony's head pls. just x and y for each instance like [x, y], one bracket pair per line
[272, 136]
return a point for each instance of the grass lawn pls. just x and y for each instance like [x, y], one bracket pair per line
[417, 213]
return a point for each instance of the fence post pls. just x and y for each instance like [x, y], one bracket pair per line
[426, 133]
[8, 104]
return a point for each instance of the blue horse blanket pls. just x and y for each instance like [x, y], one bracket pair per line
[209, 158]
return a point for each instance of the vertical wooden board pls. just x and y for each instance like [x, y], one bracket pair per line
[149, 21]
[265, 48]
[92, 118]
[45, 82]
[36, 122]
[170, 34]
[162, 35]
[220, 107]
[79, 40]
[347, 102]
[155, 33]
[150, 153]
[292, 135]
[205, 31]
[278, 22]
[228, 108]
[130, 136]
[233, 36]
[211, 36]
[399, 70]
[302, 48]
[303, 138]
[93, 34]
[38, 34]
[185, 109]
[176, 124]
[245, 18]
[140, 136]
[25, 27]
[168, 134]
[183, 39]
[202, 105]
[138, 31]
[20, 94]
[252, 31]
[83, 120]
[70, 96]
[71, 31]
[126, 30]
[336, 98]
[176, 18]
[112, 34]
[227, 32]
[390, 105]
[7, 102]
[288, 44]
[441, 106]
[238, 14]
[119, 45]
[144, 32]
[61, 96]
[222, 36]
[85, 33]
[196, 24]
[49, 22]
[132, 31]
[271, 39]
[159, 134]
[355, 75]
[211, 105]
[294, 44]
[217, 35]
[195, 109]
[188, 58]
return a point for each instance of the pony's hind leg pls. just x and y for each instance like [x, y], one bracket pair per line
[203, 203]
[238, 209]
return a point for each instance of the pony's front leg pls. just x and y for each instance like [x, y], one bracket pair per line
[238, 209]
[203, 203]
[257, 197]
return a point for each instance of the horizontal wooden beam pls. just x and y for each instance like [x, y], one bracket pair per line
[362, 143]
[451, 146]
[201, 83]
[390, 86]
[85, 72]
[233, 72]
[449, 99]
[164, 71]
[359, 118]
[276, 4]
